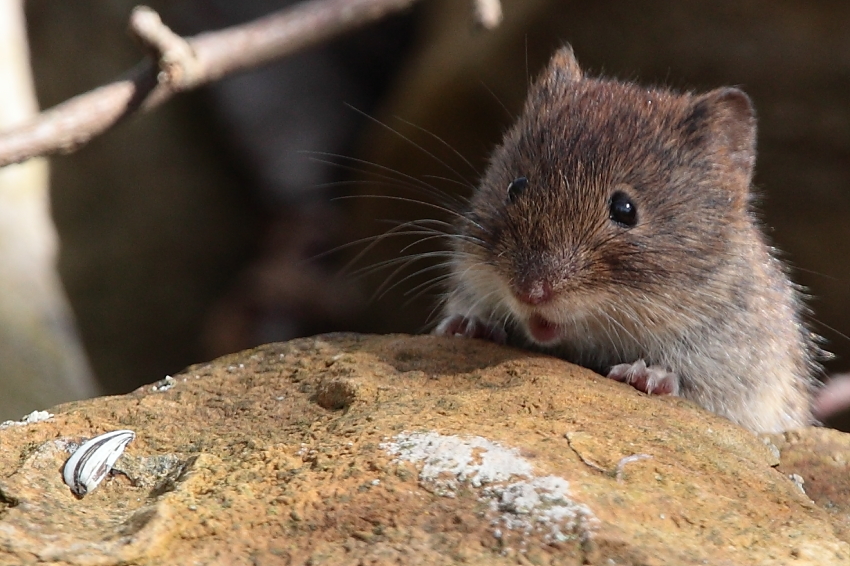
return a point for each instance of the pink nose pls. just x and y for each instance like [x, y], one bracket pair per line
[534, 293]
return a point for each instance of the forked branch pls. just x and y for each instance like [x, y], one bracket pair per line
[177, 64]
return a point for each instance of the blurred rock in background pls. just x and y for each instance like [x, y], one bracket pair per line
[185, 233]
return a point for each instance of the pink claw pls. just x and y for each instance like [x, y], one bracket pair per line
[458, 325]
[649, 379]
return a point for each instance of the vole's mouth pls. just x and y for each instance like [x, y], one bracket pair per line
[542, 330]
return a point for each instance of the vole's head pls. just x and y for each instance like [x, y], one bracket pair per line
[607, 197]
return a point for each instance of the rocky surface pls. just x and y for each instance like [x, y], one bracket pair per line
[346, 449]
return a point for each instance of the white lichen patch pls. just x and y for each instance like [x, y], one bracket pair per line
[532, 505]
[34, 417]
[542, 505]
[452, 459]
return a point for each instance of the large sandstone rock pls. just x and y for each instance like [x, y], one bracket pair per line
[346, 449]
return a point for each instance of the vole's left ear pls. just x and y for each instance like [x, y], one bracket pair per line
[561, 71]
[731, 119]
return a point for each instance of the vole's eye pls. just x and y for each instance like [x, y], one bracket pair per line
[516, 187]
[622, 210]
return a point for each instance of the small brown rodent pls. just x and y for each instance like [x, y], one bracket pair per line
[613, 228]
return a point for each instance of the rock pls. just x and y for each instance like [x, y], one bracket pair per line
[820, 460]
[350, 449]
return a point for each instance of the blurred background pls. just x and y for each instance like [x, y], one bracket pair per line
[187, 233]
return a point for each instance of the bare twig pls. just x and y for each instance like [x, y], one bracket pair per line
[179, 67]
[620, 470]
[487, 13]
[180, 64]
[582, 457]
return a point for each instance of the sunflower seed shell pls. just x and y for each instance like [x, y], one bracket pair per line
[90, 463]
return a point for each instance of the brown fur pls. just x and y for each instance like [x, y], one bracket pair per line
[692, 288]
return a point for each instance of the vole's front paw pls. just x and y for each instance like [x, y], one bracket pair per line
[649, 379]
[470, 327]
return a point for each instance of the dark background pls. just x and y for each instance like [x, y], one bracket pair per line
[185, 232]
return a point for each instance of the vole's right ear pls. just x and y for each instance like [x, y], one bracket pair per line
[729, 115]
[563, 66]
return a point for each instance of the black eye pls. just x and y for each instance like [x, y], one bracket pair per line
[516, 187]
[622, 210]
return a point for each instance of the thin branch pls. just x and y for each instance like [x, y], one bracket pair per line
[179, 64]
[176, 57]
[487, 13]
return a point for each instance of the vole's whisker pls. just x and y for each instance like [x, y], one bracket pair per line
[431, 282]
[463, 200]
[444, 209]
[444, 143]
[403, 264]
[498, 100]
[427, 239]
[398, 230]
[373, 240]
[411, 182]
[404, 261]
[831, 329]
[408, 140]
[423, 288]
[391, 183]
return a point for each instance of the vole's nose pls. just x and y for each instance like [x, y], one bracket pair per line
[534, 292]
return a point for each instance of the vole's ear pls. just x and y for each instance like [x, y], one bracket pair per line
[731, 119]
[563, 66]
